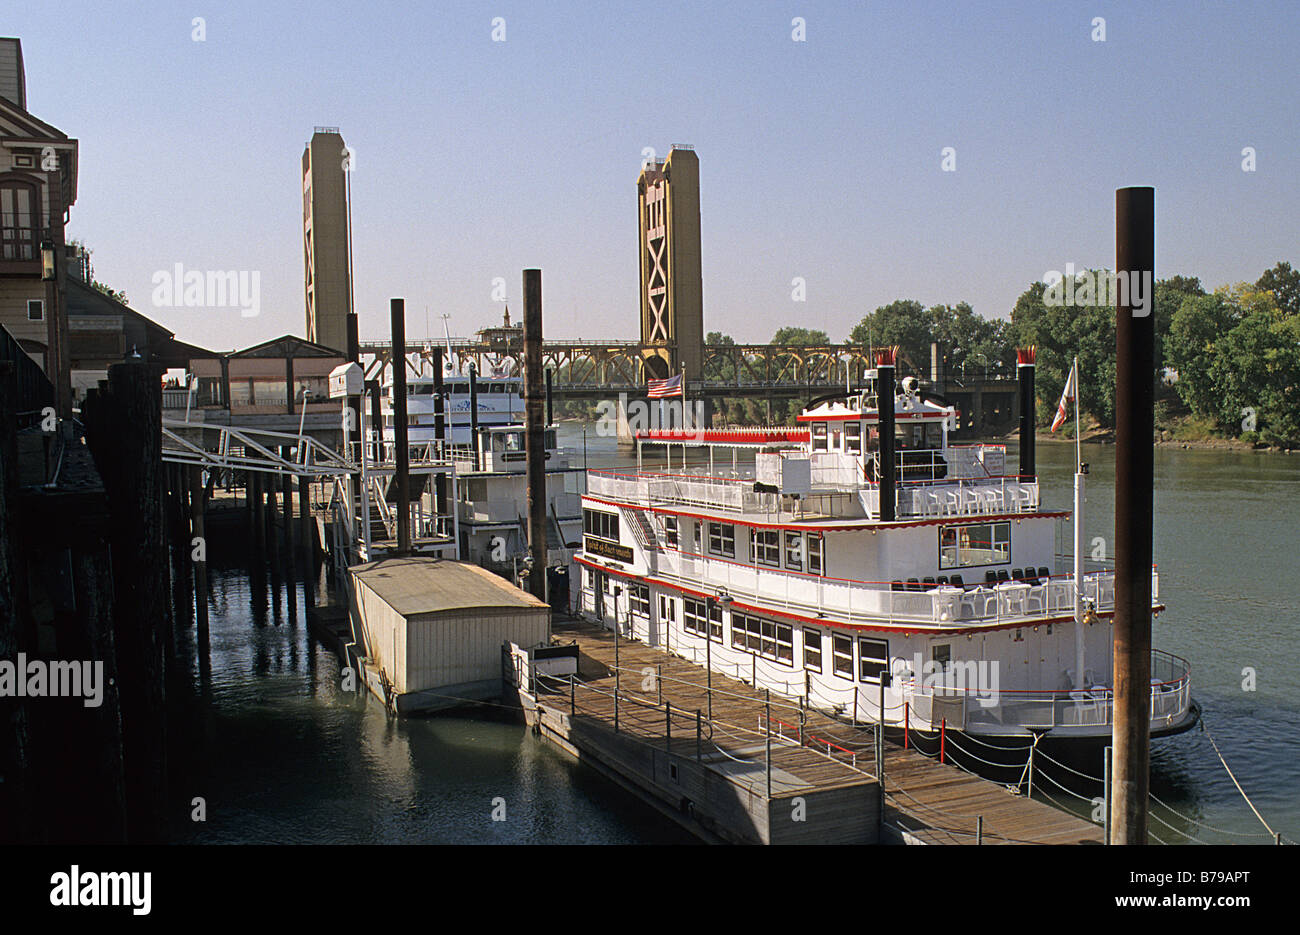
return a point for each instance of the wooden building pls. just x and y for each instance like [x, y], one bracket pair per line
[431, 632]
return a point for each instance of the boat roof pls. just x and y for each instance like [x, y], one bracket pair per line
[906, 408]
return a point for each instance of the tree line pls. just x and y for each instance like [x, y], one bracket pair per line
[1227, 361]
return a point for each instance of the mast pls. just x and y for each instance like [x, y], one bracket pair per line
[1080, 497]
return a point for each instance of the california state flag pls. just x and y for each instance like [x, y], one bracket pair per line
[1067, 395]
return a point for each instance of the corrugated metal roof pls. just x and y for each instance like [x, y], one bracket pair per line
[422, 585]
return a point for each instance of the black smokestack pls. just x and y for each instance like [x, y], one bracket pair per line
[1025, 357]
[885, 416]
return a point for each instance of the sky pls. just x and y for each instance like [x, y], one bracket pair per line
[820, 159]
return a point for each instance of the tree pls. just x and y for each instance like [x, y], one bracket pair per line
[1284, 283]
[800, 337]
[902, 322]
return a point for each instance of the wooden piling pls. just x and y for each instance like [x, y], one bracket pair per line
[198, 554]
[1135, 232]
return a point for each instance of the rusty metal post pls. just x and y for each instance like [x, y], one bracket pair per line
[1135, 235]
[397, 314]
[535, 435]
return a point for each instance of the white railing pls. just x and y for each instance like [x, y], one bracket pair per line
[967, 708]
[1005, 602]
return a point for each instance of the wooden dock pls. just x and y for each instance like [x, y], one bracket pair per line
[714, 777]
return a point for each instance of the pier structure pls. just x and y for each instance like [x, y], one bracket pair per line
[763, 767]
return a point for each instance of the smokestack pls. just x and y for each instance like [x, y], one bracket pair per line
[397, 312]
[1025, 357]
[885, 417]
[534, 398]
[1135, 237]
[439, 433]
[473, 416]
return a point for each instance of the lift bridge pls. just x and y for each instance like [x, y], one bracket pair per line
[358, 486]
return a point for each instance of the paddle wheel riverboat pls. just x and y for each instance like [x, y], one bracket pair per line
[863, 548]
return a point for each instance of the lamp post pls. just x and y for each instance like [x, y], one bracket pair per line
[302, 421]
[57, 361]
[720, 599]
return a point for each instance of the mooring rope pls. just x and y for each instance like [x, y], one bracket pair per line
[1206, 731]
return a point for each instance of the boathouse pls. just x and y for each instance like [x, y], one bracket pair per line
[430, 632]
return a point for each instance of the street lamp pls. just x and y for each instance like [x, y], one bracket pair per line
[302, 421]
[49, 268]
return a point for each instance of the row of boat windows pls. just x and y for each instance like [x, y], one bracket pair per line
[769, 639]
[965, 546]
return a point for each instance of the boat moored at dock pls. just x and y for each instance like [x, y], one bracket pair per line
[858, 565]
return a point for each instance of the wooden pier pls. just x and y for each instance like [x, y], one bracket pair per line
[764, 769]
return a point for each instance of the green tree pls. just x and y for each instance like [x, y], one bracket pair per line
[1284, 283]
[902, 322]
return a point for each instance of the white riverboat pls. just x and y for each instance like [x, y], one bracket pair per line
[499, 399]
[798, 575]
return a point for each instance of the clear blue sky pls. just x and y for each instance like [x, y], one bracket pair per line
[819, 159]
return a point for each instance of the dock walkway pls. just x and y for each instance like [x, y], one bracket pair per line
[714, 778]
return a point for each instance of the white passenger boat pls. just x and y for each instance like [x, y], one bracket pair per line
[499, 398]
[813, 575]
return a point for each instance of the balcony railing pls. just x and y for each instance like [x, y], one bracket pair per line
[1010, 711]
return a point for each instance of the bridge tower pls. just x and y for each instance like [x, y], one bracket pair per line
[672, 288]
[325, 219]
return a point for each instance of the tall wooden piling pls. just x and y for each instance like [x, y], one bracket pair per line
[535, 434]
[129, 459]
[16, 813]
[1135, 211]
[440, 433]
[885, 417]
[397, 317]
[198, 546]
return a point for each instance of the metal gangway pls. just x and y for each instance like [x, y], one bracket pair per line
[224, 449]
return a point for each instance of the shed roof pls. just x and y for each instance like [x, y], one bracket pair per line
[424, 585]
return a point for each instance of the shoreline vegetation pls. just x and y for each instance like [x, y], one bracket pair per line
[1186, 432]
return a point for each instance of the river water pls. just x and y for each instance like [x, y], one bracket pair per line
[281, 754]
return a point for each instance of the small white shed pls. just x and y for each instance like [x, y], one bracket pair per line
[433, 630]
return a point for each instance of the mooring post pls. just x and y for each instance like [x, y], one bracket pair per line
[198, 552]
[573, 694]
[1033, 746]
[943, 736]
[979, 829]
[535, 432]
[1135, 214]
[699, 733]
[397, 317]
[308, 534]
[668, 726]
[907, 722]
[617, 683]
[659, 681]
[290, 553]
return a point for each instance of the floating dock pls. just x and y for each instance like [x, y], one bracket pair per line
[765, 769]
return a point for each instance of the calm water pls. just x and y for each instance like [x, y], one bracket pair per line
[281, 754]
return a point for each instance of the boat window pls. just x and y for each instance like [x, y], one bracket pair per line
[514, 441]
[600, 524]
[765, 547]
[812, 650]
[819, 436]
[765, 638]
[550, 439]
[842, 656]
[942, 656]
[722, 539]
[458, 388]
[670, 530]
[498, 442]
[667, 609]
[638, 599]
[974, 544]
[794, 551]
[697, 615]
[853, 437]
[873, 658]
[815, 565]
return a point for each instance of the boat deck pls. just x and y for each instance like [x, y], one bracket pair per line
[926, 802]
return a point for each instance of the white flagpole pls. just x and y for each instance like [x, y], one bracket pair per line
[1080, 498]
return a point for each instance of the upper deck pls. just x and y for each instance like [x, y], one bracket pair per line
[797, 486]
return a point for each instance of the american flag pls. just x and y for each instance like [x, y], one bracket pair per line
[1068, 395]
[659, 389]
